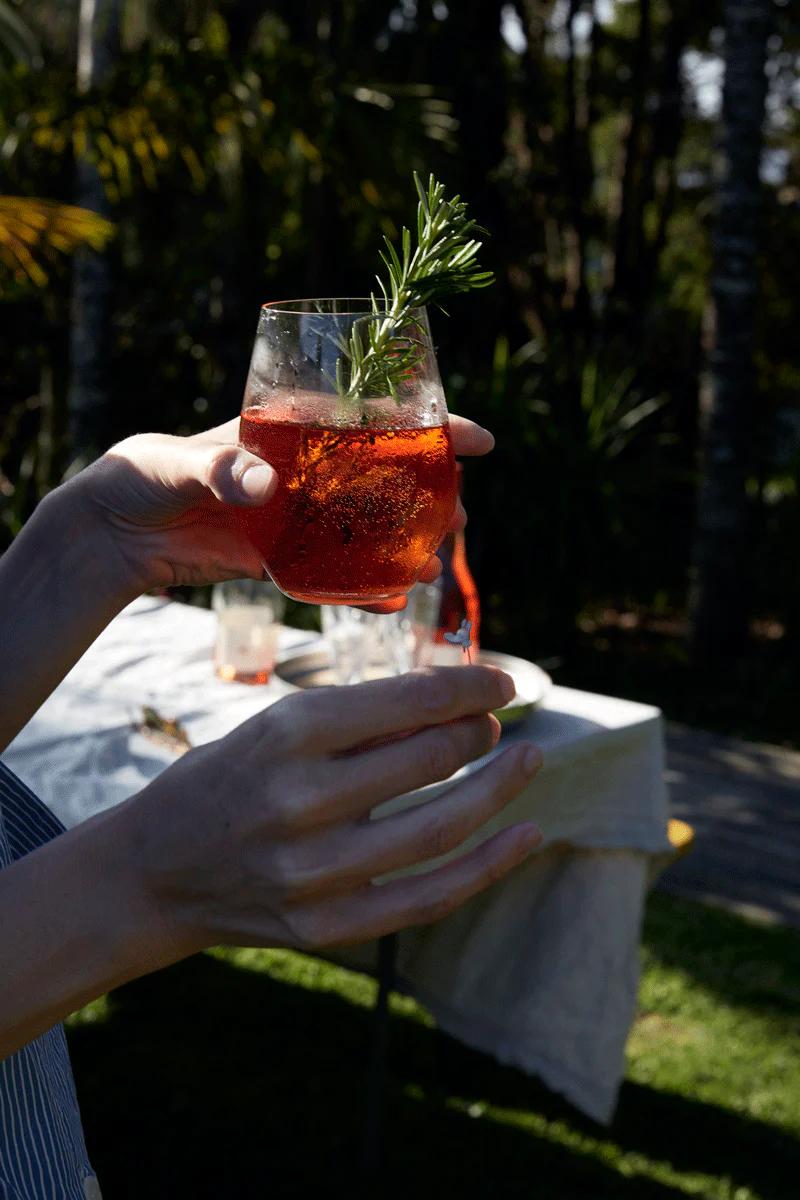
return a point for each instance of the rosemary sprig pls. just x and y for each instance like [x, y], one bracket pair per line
[443, 262]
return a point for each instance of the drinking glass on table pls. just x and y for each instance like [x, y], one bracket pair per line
[352, 639]
[364, 645]
[249, 613]
[366, 485]
[407, 637]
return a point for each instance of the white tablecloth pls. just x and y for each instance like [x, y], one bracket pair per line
[542, 970]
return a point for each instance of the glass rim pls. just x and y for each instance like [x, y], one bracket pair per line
[292, 307]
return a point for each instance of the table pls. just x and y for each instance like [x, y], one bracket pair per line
[542, 970]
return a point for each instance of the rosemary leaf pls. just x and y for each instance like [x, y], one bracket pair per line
[443, 262]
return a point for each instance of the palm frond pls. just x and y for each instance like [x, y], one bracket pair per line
[34, 232]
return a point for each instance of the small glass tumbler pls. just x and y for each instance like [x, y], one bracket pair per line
[249, 613]
[366, 645]
[407, 636]
[351, 636]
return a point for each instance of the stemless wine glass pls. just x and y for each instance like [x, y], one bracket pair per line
[367, 486]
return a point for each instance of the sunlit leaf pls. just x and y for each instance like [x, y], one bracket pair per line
[305, 146]
[33, 232]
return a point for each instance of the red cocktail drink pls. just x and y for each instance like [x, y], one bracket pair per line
[366, 488]
[358, 512]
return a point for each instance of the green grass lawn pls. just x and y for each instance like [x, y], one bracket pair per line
[240, 1074]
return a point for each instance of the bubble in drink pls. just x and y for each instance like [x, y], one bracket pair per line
[358, 511]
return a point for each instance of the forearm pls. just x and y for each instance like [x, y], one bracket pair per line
[75, 921]
[60, 585]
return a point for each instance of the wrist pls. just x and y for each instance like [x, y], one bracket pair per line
[174, 900]
[133, 940]
[60, 586]
[83, 925]
[162, 929]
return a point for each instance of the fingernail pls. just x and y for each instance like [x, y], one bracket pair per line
[532, 835]
[255, 480]
[532, 760]
[507, 689]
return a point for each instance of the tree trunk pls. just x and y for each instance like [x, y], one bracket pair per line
[723, 553]
[482, 131]
[578, 175]
[659, 169]
[625, 263]
[88, 397]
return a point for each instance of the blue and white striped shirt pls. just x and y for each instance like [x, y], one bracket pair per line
[42, 1151]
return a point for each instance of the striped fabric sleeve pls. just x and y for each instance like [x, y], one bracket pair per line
[42, 1150]
[28, 823]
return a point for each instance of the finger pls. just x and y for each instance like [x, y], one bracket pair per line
[459, 519]
[191, 470]
[468, 438]
[322, 719]
[338, 861]
[431, 571]
[228, 433]
[397, 604]
[374, 910]
[355, 784]
[429, 574]
[439, 826]
[215, 550]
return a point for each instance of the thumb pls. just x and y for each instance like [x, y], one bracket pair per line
[230, 473]
[240, 477]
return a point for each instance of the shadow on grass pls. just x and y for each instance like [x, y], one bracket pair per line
[690, 1135]
[747, 965]
[210, 1081]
